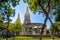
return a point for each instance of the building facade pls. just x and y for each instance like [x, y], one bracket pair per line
[30, 28]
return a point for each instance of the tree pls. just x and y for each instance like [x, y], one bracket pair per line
[47, 6]
[17, 29]
[18, 25]
[56, 28]
[6, 9]
[11, 27]
[57, 18]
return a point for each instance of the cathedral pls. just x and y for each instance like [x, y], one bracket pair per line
[28, 27]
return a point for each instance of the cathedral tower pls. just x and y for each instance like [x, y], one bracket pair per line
[27, 17]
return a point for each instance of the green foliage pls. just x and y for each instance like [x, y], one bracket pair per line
[6, 8]
[18, 28]
[33, 5]
[56, 28]
[1, 19]
[57, 19]
[18, 25]
[11, 27]
[57, 24]
[8, 12]
[1, 22]
[15, 27]
[13, 2]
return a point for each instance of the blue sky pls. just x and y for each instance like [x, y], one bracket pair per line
[21, 9]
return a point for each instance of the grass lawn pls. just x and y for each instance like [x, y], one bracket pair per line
[28, 38]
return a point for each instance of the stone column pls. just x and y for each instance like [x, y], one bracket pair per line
[27, 29]
[38, 30]
[32, 30]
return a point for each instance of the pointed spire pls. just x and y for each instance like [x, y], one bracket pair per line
[27, 17]
[18, 18]
[27, 11]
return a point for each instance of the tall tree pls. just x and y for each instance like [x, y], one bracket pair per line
[47, 6]
[18, 25]
[7, 10]
[57, 18]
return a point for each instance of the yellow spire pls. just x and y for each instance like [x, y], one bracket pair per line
[18, 18]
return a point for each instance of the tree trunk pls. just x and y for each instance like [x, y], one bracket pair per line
[7, 27]
[52, 31]
[43, 28]
[17, 33]
[46, 14]
[58, 34]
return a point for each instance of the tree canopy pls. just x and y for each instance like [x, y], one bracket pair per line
[36, 5]
[6, 8]
[18, 24]
[47, 7]
[11, 27]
